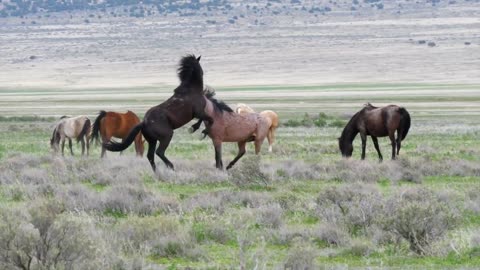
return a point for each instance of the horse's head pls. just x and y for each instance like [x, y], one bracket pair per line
[190, 71]
[346, 148]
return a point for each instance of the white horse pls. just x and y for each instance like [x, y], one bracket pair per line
[270, 116]
[78, 127]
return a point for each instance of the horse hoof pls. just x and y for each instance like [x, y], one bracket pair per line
[191, 130]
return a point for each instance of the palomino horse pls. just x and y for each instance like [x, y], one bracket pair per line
[113, 124]
[271, 117]
[232, 127]
[376, 122]
[68, 128]
[187, 102]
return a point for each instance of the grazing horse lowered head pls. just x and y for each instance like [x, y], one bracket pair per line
[118, 125]
[376, 122]
[229, 126]
[187, 102]
[269, 115]
[78, 127]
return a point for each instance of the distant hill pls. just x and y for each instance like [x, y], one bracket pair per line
[145, 8]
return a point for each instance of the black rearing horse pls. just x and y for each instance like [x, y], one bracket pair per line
[187, 103]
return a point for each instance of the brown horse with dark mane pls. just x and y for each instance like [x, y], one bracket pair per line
[229, 126]
[187, 103]
[118, 125]
[376, 122]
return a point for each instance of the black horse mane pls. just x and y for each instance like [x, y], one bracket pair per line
[218, 105]
[190, 73]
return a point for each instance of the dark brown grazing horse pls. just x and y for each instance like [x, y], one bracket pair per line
[187, 103]
[114, 124]
[376, 122]
[229, 126]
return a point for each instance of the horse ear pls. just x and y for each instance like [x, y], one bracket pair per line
[198, 59]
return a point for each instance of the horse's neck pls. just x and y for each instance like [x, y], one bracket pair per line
[350, 132]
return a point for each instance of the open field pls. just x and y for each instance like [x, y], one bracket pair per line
[301, 206]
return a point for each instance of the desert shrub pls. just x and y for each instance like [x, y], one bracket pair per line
[140, 234]
[138, 200]
[270, 216]
[359, 248]
[212, 231]
[300, 256]
[176, 246]
[46, 237]
[356, 207]
[350, 170]
[420, 217]
[331, 235]
[287, 235]
[248, 172]
[77, 197]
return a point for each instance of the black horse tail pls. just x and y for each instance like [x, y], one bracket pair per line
[96, 126]
[54, 136]
[120, 146]
[85, 130]
[404, 122]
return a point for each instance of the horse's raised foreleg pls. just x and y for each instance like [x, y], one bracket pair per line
[164, 142]
[241, 152]
[363, 136]
[195, 126]
[375, 143]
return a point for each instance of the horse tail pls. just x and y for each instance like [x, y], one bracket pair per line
[405, 122]
[54, 136]
[117, 147]
[96, 126]
[85, 130]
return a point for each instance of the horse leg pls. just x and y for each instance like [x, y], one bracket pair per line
[241, 152]
[83, 146]
[152, 143]
[105, 140]
[63, 146]
[270, 142]
[195, 126]
[138, 145]
[399, 140]
[88, 146]
[391, 135]
[70, 146]
[218, 155]
[375, 143]
[271, 138]
[364, 144]
[164, 142]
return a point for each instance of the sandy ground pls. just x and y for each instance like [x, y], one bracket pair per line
[287, 51]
